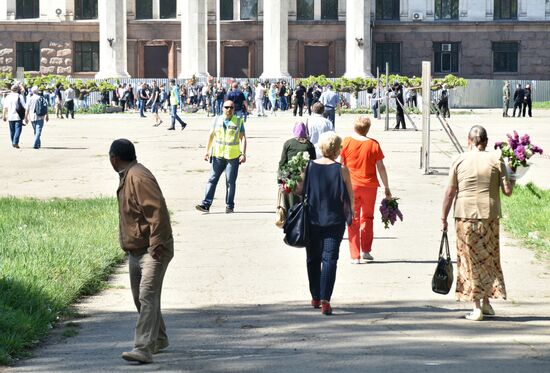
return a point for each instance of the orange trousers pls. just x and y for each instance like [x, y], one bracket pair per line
[361, 231]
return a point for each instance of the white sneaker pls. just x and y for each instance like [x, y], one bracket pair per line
[475, 315]
[367, 256]
[487, 310]
[355, 261]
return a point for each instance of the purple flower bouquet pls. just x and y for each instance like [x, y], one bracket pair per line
[517, 150]
[389, 208]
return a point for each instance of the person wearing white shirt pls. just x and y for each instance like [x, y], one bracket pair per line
[37, 121]
[330, 100]
[317, 124]
[69, 101]
[259, 99]
[14, 112]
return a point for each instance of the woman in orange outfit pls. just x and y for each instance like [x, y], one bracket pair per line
[363, 157]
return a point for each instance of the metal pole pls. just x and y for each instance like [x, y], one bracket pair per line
[426, 101]
[387, 126]
[378, 93]
[218, 41]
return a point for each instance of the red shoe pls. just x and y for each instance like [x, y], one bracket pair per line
[315, 303]
[326, 309]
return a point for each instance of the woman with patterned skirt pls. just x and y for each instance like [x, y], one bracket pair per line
[475, 180]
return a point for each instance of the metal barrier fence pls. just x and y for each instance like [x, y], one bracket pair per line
[479, 93]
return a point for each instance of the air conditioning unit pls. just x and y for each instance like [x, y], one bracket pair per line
[417, 16]
[445, 47]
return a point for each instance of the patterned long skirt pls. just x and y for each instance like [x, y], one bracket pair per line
[478, 260]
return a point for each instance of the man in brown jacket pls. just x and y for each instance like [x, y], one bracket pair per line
[146, 235]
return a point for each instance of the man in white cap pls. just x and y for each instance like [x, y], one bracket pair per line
[14, 112]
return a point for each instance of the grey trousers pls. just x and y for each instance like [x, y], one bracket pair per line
[146, 276]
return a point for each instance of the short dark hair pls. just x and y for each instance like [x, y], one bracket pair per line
[173, 81]
[123, 149]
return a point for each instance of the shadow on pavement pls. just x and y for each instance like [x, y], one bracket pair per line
[290, 337]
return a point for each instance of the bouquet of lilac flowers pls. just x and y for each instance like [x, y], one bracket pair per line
[389, 208]
[517, 150]
[291, 173]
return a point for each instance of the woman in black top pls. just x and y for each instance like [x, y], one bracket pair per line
[330, 206]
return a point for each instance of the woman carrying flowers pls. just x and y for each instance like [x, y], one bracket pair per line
[475, 180]
[363, 157]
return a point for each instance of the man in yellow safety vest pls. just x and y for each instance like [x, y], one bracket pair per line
[224, 152]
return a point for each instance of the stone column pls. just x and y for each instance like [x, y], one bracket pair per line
[7, 10]
[112, 40]
[275, 42]
[358, 39]
[194, 39]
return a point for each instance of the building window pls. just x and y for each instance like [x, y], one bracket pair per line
[446, 58]
[168, 9]
[27, 9]
[226, 10]
[86, 56]
[446, 9]
[391, 53]
[28, 56]
[249, 9]
[505, 57]
[329, 9]
[85, 9]
[387, 9]
[144, 9]
[304, 10]
[506, 9]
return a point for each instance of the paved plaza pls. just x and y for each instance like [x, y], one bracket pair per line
[236, 297]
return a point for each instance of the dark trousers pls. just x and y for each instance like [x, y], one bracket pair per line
[322, 257]
[517, 105]
[400, 117]
[299, 107]
[69, 105]
[527, 105]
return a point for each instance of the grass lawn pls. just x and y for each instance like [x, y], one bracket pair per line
[541, 105]
[527, 216]
[51, 253]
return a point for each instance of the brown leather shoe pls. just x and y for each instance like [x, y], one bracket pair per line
[138, 355]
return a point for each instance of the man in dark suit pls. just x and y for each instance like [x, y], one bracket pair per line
[519, 96]
[527, 101]
[400, 114]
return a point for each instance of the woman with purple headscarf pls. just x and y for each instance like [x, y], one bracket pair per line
[299, 143]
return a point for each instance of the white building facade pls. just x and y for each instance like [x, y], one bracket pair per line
[276, 38]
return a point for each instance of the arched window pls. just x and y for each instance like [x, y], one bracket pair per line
[27, 9]
[249, 9]
[304, 10]
[387, 9]
[446, 9]
[168, 9]
[85, 9]
[329, 9]
[506, 9]
[226, 10]
[144, 9]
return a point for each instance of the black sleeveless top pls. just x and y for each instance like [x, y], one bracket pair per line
[326, 194]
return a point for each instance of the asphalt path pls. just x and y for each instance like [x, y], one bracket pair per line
[236, 298]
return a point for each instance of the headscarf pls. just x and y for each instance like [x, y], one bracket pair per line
[300, 130]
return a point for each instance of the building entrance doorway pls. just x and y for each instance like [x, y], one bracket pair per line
[235, 64]
[155, 58]
[317, 60]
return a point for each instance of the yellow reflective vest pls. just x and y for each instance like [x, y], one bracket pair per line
[227, 138]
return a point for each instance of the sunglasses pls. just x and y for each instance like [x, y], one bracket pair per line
[228, 107]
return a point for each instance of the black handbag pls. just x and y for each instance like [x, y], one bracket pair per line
[296, 227]
[442, 280]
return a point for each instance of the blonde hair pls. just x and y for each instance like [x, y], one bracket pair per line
[330, 144]
[362, 125]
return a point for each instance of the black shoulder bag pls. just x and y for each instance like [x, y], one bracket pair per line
[296, 225]
[442, 280]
